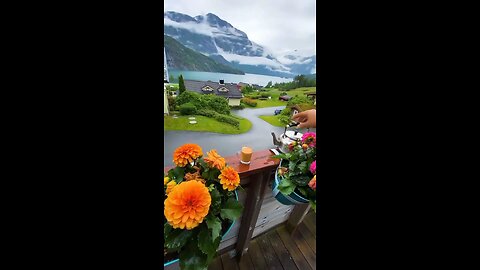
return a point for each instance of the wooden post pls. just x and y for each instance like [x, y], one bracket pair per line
[253, 204]
[296, 217]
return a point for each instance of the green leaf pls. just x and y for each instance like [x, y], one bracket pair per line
[167, 228]
[215, 225]
[292, 165]
[177, 238]
[313, 204]
[177, 173]
[300, 180]
[207, 244]
[286, 187]
[282, 156]
[216, 201]
[303, 166]
[232, 209]
[191, 258]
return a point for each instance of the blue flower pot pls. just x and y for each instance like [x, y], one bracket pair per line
[229, 228]
[293, 198]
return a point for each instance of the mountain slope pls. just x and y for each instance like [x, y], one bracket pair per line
[228, 45]
[182, 58]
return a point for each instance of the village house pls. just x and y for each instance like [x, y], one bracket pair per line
[229, 91]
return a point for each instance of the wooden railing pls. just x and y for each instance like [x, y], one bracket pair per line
[255, 178]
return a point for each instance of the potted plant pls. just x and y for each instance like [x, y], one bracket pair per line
[201, 205]
[295, 178]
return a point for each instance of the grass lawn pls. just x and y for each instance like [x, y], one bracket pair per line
[272, 120]
[205, 124]
[275, 93]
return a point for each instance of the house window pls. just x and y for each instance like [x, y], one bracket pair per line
[207, 88]
[223, 89]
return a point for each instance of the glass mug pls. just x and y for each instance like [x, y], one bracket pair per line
[246, 155]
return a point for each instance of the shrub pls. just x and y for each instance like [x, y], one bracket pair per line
[239, 107]
[283, 94]
[219, 117]
[249, 102]
[207, 113]
[265, 95]
[171, 103]
[188, 97]
[226, 119]
[299, 99]
[187, 109]
[214, 102]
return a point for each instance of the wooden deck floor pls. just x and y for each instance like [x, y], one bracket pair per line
[277, 250]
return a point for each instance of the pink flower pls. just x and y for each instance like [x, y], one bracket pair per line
[309, 138]
[313, 167]
[313, 183]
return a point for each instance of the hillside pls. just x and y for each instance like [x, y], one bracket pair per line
[182, 58]
[221, 41]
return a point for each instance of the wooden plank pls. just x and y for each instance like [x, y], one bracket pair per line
[273, 262]
[245, 262]
[256, 255]
[305, 249]
[229, 262]
[282, 253]
[270, 225]
[308, 236]
[311, 223]
[297, 216]
[216, 264]
[225, 244]
[294, 251]
[250, 214]
[268, 216]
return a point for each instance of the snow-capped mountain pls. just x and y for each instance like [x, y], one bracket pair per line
[226, 44]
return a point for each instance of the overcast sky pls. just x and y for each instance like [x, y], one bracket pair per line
[281, 26]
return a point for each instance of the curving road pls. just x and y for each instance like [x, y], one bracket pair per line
[258, 137]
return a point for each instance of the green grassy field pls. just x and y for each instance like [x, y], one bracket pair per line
[275, 94]
[205, 124]
[272, 120]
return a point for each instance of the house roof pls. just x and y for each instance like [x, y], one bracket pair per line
[196, 86]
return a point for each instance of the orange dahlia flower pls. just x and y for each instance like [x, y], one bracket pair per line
[186, 154]
[187, 205]
[170, 186]
[214, 160]
[229, 178]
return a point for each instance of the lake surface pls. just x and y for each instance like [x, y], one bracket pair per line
[228, 78]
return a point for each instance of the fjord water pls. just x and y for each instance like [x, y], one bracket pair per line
[228, 78]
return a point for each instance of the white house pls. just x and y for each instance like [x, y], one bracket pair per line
[230, 91]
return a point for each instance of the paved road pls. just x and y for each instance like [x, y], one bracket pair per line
[258, 137]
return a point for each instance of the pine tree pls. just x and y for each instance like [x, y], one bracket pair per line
[181, 84]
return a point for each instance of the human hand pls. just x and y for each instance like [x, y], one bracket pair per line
[307, 119]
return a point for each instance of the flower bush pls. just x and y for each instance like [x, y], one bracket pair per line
[299, 169]
[200, 204]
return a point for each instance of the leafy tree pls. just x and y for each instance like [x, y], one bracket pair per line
[188, 96]
[299, 99]
[181, 84]
[269, 84]
[247, 89]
